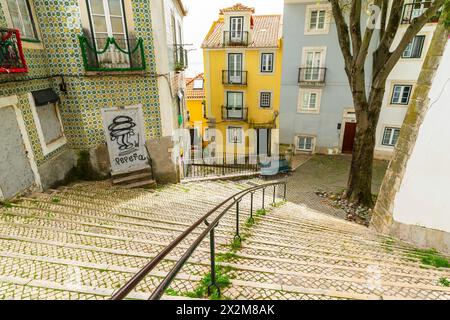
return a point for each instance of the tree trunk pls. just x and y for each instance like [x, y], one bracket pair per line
[359, 187]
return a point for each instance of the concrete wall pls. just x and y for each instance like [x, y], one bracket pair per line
[16, 173]
[57, 169]
[336, 94]
[165, 170]
[413, 203]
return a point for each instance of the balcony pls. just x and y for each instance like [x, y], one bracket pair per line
[235, 38]
[231, 113]
[181, 58]
[12, 59]
[234, 77]
[416, 9]
[312, 76]
[111, 54]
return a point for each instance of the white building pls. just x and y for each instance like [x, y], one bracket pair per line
[171, 61]
[400, 85]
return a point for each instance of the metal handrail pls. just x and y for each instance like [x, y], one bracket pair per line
[159, 291]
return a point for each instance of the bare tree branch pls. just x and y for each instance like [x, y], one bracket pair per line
[384, 11]
[416, 25]
[343, 35]
[355, 26]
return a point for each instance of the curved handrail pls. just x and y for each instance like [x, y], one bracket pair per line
[134, 281]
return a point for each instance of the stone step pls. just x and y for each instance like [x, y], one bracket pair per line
[146, 225]
[263, 234]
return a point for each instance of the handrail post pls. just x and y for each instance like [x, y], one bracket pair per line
[213, 263]
[251, 208]
[274, 193]
[263, 195]
[237, 236]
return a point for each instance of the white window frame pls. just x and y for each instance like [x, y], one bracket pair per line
[297, 142]
[54, 145]
[36, 36]
[392, 102]
[301, 108]
[411, 46]
[271, 99]
[319, 7]
[262, 64]
[197, 81]
[107, 15]
[323, 58]
[390, 144]
[228, 136]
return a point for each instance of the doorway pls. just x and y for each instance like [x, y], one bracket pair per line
[349, 137]
[16, 173]
[263, 142]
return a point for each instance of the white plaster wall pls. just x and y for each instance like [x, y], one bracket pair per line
[406, 71]
[423, 198]
[163, 40]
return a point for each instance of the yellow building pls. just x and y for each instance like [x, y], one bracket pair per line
[243, 61]
[196, 106]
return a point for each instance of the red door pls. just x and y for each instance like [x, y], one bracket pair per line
[349, 137]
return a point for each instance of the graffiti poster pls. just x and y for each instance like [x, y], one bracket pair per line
[124, 131]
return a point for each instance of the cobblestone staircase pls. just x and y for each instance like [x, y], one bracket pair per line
[86, 241]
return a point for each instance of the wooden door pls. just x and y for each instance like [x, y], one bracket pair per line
[349, 137]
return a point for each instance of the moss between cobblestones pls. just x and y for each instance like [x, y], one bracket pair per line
[429, 257]
[6, 204]
[444, 282]
[223, 278]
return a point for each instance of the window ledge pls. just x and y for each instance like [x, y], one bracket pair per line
[113, 73]
[308, 111]
[54, 145]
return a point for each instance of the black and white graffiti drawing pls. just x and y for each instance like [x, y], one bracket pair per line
[121, 130]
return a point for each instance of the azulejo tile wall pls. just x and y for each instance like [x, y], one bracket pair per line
[59, 22]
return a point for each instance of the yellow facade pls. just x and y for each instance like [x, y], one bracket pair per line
[217, 62]
[196, 106]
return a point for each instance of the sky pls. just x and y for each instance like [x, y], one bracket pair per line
[201, 15]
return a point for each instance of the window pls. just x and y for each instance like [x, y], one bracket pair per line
[414, 48]
[235, 102]
[305, 143]
[198, 84]
[267, 62]
[235, 135]
[317, 20]
[390, 136]
[22, 18]
[401, 94]
[108, 19]
[313, 62]
[309, 100]
[235, 74]
[265, 99]
[236, 28]
[46, 115]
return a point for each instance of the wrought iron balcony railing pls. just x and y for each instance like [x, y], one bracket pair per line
[416, 9]
[312, 76]
[235, 38]
[234, 113]
[181, 58]
[234, 77]
[12, 59]
[112, 54]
